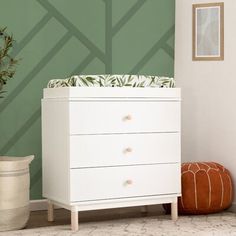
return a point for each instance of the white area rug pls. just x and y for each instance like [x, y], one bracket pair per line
[216, 224]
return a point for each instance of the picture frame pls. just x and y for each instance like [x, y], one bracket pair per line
[208, 32]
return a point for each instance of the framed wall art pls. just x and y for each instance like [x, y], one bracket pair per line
[208, 32]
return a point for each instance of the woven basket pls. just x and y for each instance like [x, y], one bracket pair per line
[14, 192]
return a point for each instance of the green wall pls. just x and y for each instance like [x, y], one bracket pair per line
[57, 38]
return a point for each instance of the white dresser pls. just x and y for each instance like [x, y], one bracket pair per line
[110, 147]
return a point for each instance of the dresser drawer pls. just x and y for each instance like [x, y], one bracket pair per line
[126, 181]
[124, 117]
[124, 149]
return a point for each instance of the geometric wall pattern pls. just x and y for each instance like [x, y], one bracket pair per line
[57, 38]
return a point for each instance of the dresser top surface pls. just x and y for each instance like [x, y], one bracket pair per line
[111, 93]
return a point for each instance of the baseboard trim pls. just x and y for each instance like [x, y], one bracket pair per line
[233, 207]
[39, 205]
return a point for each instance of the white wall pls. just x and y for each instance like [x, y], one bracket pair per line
[208, 91]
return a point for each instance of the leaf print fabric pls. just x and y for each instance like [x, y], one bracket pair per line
[140, 81]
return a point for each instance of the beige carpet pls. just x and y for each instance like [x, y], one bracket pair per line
[215, 224]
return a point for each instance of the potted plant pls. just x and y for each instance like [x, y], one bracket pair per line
[14, 171]
[7, 62]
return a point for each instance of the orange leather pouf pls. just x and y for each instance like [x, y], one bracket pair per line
[206, 188]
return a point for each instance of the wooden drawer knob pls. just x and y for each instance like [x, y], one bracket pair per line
[128, 182]
[127, 118]
[128, 150]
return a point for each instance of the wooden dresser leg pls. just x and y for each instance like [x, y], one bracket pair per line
[74, 220]
[174, 210]
[50, 211]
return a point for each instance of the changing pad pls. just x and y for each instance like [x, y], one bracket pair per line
[113, 81]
